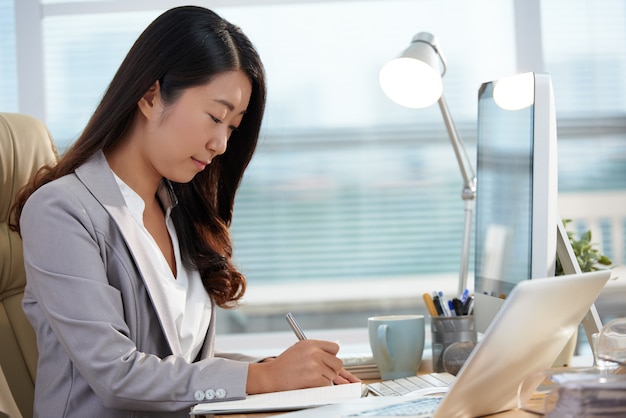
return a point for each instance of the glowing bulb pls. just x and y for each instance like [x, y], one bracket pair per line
[411, 82]
[516, 92]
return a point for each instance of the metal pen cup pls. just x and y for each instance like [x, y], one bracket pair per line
[447, 330]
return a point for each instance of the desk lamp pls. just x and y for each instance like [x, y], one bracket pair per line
[414, 80]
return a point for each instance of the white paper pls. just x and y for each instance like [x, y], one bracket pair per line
[284, 401]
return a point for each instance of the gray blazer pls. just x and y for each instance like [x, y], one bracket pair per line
[103, 349]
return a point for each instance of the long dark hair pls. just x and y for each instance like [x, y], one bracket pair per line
[184, 47]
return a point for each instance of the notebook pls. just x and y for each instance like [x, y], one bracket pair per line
[288, 400]
[525, 336]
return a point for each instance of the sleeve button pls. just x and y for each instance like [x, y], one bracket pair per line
[209, 394]
[220, 393]
[199, 395]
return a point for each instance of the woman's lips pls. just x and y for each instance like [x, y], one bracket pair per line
[199, 164]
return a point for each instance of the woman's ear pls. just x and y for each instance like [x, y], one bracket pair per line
[150, 104]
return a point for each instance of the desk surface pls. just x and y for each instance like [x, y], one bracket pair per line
[582, 360]
[507, 414]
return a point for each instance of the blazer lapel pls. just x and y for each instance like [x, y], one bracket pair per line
[97, 177]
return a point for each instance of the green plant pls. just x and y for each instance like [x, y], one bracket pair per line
[587, 254]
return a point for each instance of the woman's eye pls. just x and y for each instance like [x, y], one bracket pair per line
[216, 120]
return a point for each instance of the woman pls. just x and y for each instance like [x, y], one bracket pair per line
[126, 243]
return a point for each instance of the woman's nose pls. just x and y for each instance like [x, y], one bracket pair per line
[219, 140]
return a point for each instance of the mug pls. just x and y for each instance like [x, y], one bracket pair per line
[397, 343]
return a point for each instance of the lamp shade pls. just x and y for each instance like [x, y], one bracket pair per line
[414, 79]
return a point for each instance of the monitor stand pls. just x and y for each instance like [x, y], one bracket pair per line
[591, 323]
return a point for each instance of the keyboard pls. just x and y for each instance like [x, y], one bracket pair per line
[406, 385]
[417, 408]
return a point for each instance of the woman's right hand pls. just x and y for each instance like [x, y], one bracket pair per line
[308, 363]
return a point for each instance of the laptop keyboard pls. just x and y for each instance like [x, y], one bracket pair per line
[417, 408]
[405, 385]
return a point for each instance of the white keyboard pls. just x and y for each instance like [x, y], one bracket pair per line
[416, 408]
[405, 385]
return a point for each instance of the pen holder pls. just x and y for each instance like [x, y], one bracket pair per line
[453, 338]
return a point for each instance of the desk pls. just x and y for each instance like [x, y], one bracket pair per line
[507, 414]
[358, 338]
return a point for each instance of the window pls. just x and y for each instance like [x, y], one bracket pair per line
[345, 181]
[8, 66]
[585, 52]
[347, 186]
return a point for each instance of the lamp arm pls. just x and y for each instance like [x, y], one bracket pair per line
[469, 190]
[465, 165]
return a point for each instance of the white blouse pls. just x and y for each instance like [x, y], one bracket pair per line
[187, 300]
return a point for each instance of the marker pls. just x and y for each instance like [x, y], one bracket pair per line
[457, 305]
[468, 306]
[438, 307]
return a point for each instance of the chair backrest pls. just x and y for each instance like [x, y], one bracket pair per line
[8, 408]
[25, 146]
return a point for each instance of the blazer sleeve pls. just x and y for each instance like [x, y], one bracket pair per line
[72, 305]
[241, 357]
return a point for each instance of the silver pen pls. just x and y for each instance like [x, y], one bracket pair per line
[295, 327]
[300, 334]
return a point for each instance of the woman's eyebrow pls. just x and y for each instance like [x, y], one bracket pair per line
[228, 104]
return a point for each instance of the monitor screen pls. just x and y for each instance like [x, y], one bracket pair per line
[516, 190]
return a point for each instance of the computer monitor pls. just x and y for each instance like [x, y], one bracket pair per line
[517, 188]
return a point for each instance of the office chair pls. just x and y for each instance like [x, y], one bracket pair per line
[25, 145]
[8, 408]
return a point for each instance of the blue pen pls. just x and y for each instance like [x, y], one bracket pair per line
[444, 304]
[464, 295]
[453, 311]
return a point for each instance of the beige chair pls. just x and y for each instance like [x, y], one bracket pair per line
[8, 408]
[25, 145]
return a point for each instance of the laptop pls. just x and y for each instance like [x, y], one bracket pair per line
[526, 335]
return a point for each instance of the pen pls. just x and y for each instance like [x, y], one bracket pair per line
[451, 308]
[438, 307]
[444, 304]
[464, 295]
[430, 305]
[295, 327]
[468, 306]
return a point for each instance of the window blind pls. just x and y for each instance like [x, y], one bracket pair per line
[8, 66]
[346, 185]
